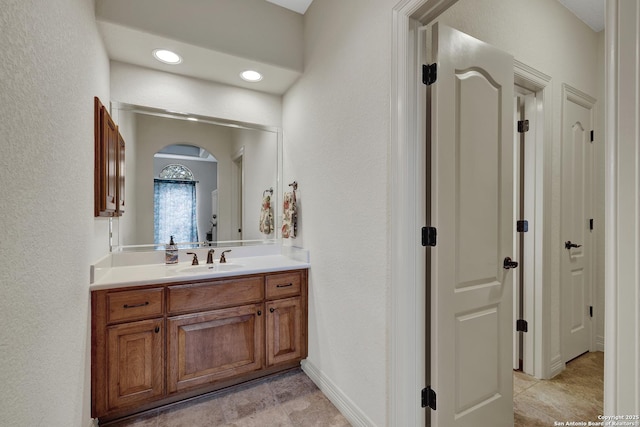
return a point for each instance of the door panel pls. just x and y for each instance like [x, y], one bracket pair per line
[577, 185]
[135, 362]
[194, 341]
[471, 132]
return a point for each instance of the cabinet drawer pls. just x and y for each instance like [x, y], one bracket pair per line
[283, 285]
[211, 295]
[134, 305]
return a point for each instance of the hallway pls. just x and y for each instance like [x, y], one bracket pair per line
[576, 394]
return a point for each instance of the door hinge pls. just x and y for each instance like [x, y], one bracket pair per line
[522, 325]
[590, 311]
[592, 136]
[429, 73]
[429, 236]
[523, 126]
[591, 224]
[522, 226]
[429, 398]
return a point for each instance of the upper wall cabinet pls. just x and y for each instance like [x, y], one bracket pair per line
[109, 164]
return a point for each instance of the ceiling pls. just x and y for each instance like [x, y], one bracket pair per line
[299, 6]
[591, 12]
[226, 37]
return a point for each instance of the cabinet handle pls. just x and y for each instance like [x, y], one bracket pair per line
[271, 310]
[284, 286]
[259, 312]
[136, 305]
[157, 329]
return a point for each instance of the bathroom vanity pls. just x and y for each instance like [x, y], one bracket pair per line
[190, 331]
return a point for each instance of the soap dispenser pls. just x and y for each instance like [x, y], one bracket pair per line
[171, 253]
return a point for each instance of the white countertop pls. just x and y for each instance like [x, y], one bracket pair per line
[108, 277]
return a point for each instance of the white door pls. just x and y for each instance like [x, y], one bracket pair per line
[471, 133]
[577, 207]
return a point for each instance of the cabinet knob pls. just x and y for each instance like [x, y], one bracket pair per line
[271, 310]
[157, 329]
[259, 312]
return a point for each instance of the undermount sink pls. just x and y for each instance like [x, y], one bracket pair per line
[208, 268]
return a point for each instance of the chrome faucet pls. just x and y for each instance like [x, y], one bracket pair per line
[223, 259]
[210, 256]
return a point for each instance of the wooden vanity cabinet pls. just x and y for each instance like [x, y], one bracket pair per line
[286, 326]
[127, 348]
[158, 344]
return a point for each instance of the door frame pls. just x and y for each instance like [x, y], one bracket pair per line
[537, 295]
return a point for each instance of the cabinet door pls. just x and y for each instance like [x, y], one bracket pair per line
[106, 168]
[284, 330]
[120, 174]
[207, 347]
[135, 362]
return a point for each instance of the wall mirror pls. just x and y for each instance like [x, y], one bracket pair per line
[221, 170]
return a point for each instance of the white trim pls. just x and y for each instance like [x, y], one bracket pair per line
[340, 400]
[622, 215]
[611, 278]
[556, 366]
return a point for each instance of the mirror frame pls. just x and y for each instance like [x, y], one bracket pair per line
[116, 107]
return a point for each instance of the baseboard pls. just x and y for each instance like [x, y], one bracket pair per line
[557, 366]
[600, 343]
[349, 409]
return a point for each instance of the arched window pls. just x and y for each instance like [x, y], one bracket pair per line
[176, 171]
[175, 205]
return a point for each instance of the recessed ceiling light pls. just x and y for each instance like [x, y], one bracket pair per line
[251, 76]
[167, 56]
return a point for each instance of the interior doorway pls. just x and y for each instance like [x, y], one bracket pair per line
[237, 179]
[524, 243]
[544, 324]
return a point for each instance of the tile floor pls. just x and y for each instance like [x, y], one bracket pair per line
[289, 399]
[576, 394]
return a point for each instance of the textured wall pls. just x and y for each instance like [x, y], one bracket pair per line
[53, 65]
[336, 138]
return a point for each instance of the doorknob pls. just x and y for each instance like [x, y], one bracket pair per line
[509, 263]
[569, 245]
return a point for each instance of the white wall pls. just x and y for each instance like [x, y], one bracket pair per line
[260, 165]
[54, 64]
[548, 37]
[124, 227]
[131, 84]
[336, 142]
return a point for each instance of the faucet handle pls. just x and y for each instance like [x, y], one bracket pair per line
[223, 259]
[195, 258]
